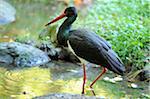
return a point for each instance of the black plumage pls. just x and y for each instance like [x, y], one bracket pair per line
[94, 49]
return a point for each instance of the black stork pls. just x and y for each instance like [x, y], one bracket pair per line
[87, 45]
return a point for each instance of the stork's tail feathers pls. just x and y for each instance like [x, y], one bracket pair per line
[116, 64]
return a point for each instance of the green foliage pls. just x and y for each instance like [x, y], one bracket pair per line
[125, 23]
[49, 33]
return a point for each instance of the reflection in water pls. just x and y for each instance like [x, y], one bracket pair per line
[27, 82]
[36, 81]
[31, 82]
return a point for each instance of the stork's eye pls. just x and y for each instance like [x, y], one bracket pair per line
[71, 13]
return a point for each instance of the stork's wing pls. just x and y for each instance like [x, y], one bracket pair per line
[92, 48]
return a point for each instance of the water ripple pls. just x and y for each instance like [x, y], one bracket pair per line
[10, 82]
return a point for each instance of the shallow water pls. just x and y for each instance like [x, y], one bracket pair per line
[17, 83]
[36, 81]
[58, 77]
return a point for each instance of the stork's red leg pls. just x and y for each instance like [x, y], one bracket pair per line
[104, 70]
[84, 78]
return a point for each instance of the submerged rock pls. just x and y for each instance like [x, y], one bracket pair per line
[21, 55]
[67, 96]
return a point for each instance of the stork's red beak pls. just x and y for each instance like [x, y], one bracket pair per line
[56, 19]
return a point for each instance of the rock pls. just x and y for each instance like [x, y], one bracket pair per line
[57, 53]
[113, 80]
[133, 85]
[144, 75]
[106, 78]
[6, 58]
[7, 13]
[49, 48]
[67, 96]
[67, 55]
[118, 78]
[21, 55]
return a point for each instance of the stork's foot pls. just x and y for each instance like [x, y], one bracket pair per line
[104, 70]
[82, 93]
[92, 90]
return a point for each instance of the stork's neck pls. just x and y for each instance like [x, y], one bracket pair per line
[64, 29]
